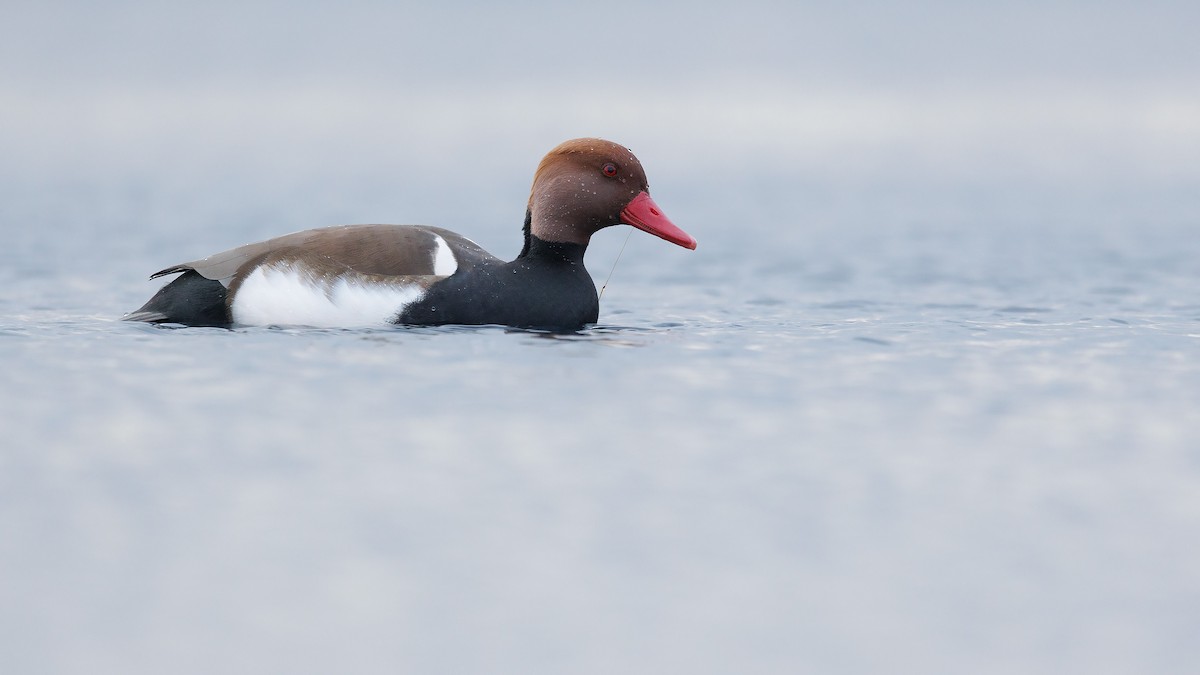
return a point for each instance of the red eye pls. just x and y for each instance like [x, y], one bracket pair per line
[610, 169]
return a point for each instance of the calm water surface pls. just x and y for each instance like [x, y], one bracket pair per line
[925, 400]
[949, 446]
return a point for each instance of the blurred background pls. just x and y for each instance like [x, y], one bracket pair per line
[201, 114]
[925, 399]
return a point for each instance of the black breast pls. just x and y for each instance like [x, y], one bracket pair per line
[547, 287]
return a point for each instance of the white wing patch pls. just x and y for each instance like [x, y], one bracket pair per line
[281, 295]
[444, 263]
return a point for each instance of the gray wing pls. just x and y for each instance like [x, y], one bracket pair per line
[386, 250]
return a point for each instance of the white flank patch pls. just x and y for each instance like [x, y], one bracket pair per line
[444, 262]
[281, 296]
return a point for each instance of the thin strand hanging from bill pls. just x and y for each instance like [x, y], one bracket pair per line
[614, 267]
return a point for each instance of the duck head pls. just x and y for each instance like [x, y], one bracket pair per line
[587, 184]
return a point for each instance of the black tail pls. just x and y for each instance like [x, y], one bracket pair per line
[191, 300]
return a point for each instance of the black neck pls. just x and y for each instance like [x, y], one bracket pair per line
[536, 247]
[528, 231]
[539, 249]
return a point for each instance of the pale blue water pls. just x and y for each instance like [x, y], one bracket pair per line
[926, 399]
[876, 447]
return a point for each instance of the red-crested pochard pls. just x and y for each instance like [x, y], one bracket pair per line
[364, 275]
